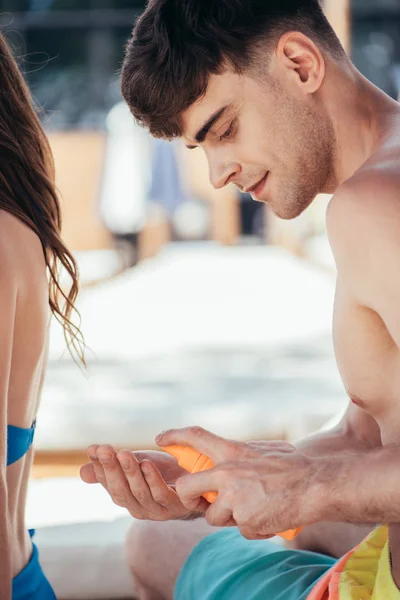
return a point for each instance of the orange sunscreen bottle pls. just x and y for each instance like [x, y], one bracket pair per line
[194, 462]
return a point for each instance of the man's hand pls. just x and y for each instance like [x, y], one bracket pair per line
[263, 487]
[141, 482]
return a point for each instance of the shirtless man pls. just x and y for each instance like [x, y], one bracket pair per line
[265, 89]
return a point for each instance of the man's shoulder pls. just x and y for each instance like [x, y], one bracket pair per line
[368, 203]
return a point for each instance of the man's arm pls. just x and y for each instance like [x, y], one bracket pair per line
[368, 262]
[360, 487]
[356, 431]
[266, 491]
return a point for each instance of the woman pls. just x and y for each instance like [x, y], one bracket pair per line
[31, 254]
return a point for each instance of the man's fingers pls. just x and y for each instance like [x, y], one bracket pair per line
[219, 514]
[249, 534]
[213, 446]
[190, 488]
[87, 473]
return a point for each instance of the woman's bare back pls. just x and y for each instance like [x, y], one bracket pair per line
[24, 324]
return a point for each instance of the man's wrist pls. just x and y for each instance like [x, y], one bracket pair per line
[355, 487]
[329, 486]
[193, 516]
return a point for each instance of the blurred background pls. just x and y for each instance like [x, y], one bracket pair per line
[198, 306]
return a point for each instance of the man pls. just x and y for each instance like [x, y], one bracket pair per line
[265, 89]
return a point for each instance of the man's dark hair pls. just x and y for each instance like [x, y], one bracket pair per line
[177, 44]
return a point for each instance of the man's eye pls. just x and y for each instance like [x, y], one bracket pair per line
[227, 134]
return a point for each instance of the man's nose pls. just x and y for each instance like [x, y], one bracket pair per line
[221, 175]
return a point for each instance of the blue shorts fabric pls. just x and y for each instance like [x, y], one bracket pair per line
[31, 583]
[226, 566]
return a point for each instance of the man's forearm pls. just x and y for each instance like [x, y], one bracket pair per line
[356, 431]
[330, 442]
[359, 487]
[327, 442]
[337, 538]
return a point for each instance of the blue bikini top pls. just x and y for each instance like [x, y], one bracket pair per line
[19, 441]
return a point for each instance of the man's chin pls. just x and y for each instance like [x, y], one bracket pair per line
[287, 211]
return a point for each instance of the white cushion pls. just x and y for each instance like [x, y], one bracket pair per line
[86, 560]
[80, 535]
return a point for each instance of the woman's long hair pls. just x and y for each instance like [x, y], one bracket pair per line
[28, 191]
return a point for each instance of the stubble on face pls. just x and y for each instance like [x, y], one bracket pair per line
[305, 151]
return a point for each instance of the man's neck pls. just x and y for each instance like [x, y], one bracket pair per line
[363, 117]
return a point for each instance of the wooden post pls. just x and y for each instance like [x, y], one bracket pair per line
[79, 159]
[338, 13]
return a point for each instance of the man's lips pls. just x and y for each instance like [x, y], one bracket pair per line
[257, 187]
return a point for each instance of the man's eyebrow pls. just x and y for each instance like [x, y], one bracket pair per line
[202, 133]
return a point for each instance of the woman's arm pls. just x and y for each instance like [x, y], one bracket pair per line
[8, 301]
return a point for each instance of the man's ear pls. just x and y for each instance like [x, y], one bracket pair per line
[299, 58]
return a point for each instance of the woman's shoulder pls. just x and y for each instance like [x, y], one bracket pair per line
[20, 247]
[13, 229]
